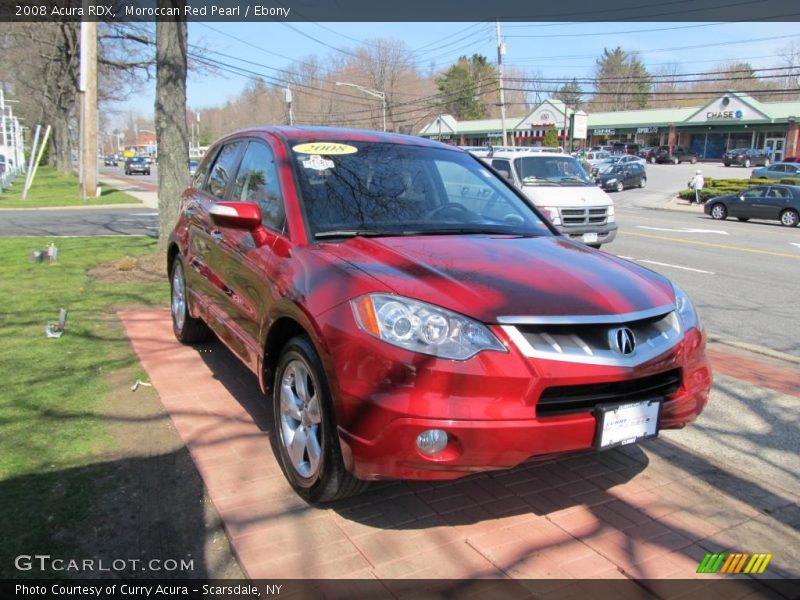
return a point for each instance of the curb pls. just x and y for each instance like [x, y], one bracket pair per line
[755, 348]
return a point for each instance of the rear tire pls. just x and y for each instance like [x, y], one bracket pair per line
[790, 218]
[186, 328]
[694, 160]
[675, 160]
[652, 160]
[719, 212]
[766, 163]
[305, 427]
[747, 163]
[643, 182]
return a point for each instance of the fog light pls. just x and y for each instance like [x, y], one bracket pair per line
[431, 441]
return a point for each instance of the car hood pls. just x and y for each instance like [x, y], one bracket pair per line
[487, 276]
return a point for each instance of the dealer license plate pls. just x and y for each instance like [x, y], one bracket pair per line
[589, 238]
[620, 424]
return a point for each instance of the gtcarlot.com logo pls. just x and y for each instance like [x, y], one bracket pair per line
[734, 563]
[45, 562]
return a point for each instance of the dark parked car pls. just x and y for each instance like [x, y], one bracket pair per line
[623, 148]
[792, 159]
[622, 176]
[110, 160]
[137, 164]
[412, 315]
[675, 155]
[746, 157]
[649, 153]
[772, 202]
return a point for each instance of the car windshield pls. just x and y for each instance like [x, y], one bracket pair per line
[386, 189]
[137, 159]
[551, 170]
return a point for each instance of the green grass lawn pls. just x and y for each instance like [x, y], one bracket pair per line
[52, 425]
[53, 188]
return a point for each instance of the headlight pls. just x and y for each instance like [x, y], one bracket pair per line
[551, 212]
[422, 327]
[611, 181]
[686, 311]
[611, 215]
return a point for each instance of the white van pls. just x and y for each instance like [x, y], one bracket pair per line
[563, 191]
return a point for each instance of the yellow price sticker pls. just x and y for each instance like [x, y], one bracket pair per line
[329, 148]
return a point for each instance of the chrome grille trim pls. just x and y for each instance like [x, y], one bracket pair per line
[586, 319]
[585, 343]
[595, 215]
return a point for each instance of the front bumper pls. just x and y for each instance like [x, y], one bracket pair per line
[605, 233]
[385, 397]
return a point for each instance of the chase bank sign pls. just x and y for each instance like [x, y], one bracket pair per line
[724, 115]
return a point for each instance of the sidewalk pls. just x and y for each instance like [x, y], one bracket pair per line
[146, 192]
[643, 512]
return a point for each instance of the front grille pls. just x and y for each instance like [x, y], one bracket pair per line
[584, 216]
[569, 399]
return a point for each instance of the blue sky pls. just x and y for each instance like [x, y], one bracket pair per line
[556, 49]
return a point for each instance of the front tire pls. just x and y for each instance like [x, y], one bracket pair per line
[643, 182]
[652, 160]
[694, 160]
[747, 163]
[186, 328]
[790, 218]
[620, 186]
[675, 160]
[719, 212]
[305, 427]
[766, 163]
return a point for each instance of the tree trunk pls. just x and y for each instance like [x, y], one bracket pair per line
[170, 117]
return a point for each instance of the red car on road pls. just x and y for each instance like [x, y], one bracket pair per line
[412, 315]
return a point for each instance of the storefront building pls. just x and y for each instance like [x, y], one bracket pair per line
[732, 120]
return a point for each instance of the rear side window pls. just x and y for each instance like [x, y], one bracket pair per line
[222, 171]
[257, 181]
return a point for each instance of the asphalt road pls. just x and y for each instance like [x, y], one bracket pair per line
[72, 222]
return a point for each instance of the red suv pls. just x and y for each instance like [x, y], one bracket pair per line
[412, 315]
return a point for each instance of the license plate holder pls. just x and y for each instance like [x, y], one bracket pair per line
[589, 238]
[619, 424]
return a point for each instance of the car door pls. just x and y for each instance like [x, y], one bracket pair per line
[776, 171]
[249, 270]
[747, 205]
[772, 203]
[204, 234]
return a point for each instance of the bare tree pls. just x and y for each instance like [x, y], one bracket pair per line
[172, 42]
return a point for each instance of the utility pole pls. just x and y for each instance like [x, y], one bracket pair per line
[287, 94]
[88, 91]
[501, 50]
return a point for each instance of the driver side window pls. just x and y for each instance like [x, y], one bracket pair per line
[755, 193]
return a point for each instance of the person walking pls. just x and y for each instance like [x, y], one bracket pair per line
[697, 184]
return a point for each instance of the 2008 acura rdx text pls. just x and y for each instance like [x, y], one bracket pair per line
[413, 316]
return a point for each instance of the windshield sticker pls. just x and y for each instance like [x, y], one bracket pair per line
[329, 148]
[318, 163]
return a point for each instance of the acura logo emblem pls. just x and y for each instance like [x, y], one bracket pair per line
[622, 340]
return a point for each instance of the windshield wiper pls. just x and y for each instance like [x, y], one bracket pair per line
[344, 233]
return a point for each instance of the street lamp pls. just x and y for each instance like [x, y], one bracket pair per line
[375, 93]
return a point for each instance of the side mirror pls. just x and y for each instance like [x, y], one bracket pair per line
[506, 174]
[240, 215]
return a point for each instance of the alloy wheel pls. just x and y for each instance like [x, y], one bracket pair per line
[178, 296]
[301, 419]
[789, 218]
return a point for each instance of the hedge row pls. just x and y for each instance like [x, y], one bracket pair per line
[725, 187]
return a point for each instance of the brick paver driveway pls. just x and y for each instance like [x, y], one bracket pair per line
[649, 511]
